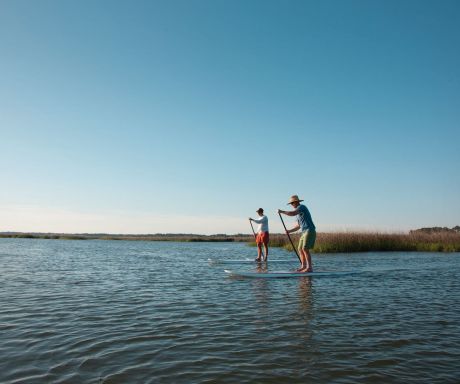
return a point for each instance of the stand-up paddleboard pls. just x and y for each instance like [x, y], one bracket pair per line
[281, 274]
[246, 261]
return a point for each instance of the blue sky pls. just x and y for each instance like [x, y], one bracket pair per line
[187, 116]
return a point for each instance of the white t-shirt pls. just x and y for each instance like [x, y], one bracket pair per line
[262, 224]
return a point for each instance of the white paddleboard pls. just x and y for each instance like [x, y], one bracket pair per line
[245, 261]
[280, 274]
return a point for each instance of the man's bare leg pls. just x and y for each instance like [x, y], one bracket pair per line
[307, 264]
[259, 252]
[303, 261]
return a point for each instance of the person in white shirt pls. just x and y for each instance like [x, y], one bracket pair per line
[262, 237]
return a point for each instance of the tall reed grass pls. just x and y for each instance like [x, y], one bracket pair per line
[339, 242]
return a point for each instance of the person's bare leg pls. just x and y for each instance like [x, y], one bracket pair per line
[306, 261]
[303, 261]
[309, 262]
[266, 252]
[259, 252]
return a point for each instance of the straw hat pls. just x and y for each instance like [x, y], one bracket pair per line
[293, 199]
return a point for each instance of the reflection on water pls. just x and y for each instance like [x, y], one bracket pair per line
[305, 296]
[261, 293]
[122, 312]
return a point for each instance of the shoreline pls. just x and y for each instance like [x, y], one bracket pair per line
[188, 237]
[339, 242]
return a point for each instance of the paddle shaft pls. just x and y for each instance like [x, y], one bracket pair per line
[250, 222]
[289, 237]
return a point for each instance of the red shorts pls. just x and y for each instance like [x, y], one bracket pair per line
[262, 237]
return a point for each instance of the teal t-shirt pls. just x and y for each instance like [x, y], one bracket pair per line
[304, 218]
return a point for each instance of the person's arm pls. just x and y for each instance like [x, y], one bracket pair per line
[296, 228]
[258, 221]
[288, 213]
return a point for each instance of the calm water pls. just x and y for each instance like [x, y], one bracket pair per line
[153, 312]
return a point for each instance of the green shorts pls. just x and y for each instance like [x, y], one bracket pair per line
[307, 240]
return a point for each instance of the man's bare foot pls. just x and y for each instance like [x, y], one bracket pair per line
[257, 259]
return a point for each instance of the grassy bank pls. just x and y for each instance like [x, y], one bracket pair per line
[376, 242]
[421, 241]
[146, 237]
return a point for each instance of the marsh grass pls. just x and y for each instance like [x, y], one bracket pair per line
[339, 242]
[147, 237]
[335, 242]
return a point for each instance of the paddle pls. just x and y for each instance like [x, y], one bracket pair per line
[261, 250]
[289, 237]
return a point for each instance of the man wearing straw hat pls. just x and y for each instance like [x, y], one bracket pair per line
[262, 234]
[308, 229]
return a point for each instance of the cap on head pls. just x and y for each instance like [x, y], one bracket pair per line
[260, 210]
[293, 199]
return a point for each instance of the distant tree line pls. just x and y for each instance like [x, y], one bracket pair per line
[455, 229]
[434, 239]
[185, 237]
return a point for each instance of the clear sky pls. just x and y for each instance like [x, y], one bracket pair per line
[186, 116]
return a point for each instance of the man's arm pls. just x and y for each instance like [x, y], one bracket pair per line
[288, 213]
[296, 228]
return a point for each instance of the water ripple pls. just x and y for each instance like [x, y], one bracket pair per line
[121, 312]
